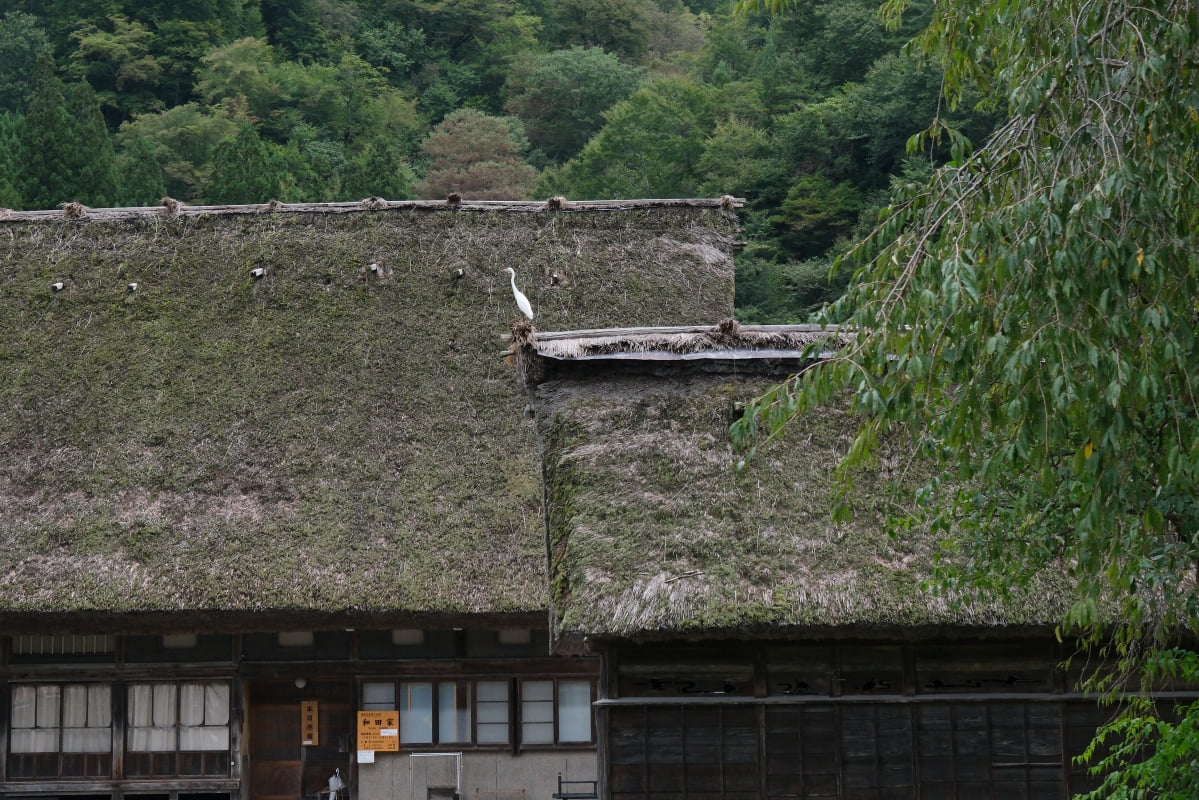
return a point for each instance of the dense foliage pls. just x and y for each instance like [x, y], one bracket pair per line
[1028, 318]
[805, 114]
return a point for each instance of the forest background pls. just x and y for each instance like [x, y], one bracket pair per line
[806, 113]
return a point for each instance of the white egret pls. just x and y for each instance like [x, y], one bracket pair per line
[522, 302]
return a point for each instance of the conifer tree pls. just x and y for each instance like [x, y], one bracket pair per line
[43, 141]
[243, 170]
[141, 176]
[9, 196]
[378, 171]
[92, 161]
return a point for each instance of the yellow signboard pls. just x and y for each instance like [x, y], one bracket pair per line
[379, 730]
[310, 722]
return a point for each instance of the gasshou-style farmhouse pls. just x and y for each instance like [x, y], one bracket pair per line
[295, 503]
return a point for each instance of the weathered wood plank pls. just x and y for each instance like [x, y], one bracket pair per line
[175, 208]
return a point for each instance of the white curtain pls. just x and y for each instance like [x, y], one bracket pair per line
[76, 718]
[152, 717]
[574, 711]
[24, 706]
[204, 716]
[26, 735]
[87, 718]
[191, 704]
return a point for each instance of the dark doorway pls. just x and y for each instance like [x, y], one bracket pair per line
[282, 766]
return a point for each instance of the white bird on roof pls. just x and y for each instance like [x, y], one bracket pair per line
[522, 302]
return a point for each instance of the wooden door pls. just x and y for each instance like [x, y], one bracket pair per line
[274, 748]
[281, 766]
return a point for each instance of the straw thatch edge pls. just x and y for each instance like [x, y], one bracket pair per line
[172, 207]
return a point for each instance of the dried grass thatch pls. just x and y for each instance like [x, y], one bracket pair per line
[654, 534]
[306, 441]
[721, 340]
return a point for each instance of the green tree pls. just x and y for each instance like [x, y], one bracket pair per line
[9, 154]
[380, 170]
[243, 170]
[1027, 318]
[142, 182]
[561, 96]
[815, 213]
[738, 158]
[239, 69]
[91, 161]
[650, 146]
[44, 143]
[618, 26]
[183, 139]
[22, 40]
[294, 27]
[119, 63]
[477, 156]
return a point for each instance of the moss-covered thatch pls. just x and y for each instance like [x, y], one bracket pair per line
[323, 438]
[654, 534]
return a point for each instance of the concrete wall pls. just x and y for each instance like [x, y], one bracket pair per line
[485, 775]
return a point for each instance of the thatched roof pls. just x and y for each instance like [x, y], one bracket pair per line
[322, 439]
[654, 534]
[726, 341]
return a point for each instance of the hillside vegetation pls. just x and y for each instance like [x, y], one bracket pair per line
[805, 114]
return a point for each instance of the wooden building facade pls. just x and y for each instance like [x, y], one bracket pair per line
[276, 505]
[264, 471]
[207, 716]
[752, 648]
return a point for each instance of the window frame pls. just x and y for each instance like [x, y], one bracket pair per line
[95, 763]
[556, 682]
[162, 763]
[461, 686]
[514, 709]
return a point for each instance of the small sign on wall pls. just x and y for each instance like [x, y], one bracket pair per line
[310, 722]
[379, 730]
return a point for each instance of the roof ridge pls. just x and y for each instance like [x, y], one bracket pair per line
[172, 207]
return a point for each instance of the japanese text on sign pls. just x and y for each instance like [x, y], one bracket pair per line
[379, 730]
[310, 722]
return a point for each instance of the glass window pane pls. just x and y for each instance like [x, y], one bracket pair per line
[86, 740]
[164, 704]
[453, 712]
[24, 706]
[141, 705]
[379, 696]
[191, 704]
[537, 733]
[152, 739]
[416, 713]
[216, 704]
[492, 710]
[537, 712]
[74, 706]
[574, 711]
[212, 737]
[34, 740]
[99, 705]
[493, 691]
[537, 690]
[493, 733]
[47, 706]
